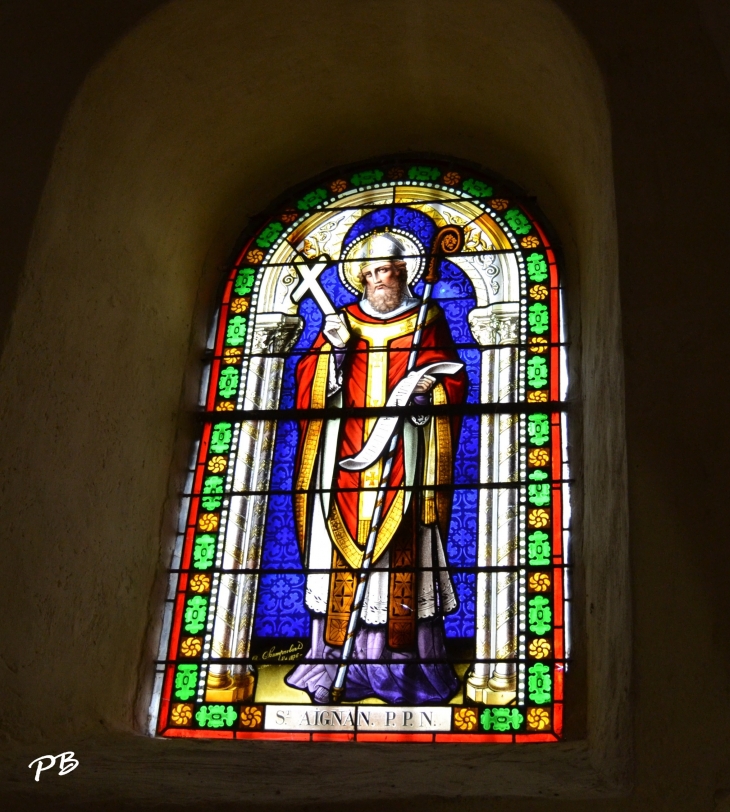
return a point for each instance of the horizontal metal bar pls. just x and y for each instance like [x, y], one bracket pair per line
[451, 410]
[351, 352]
[461, 486]
[311, 261]
[460, 660]
[414, 570]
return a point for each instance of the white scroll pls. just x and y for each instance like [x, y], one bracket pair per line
[386, 425]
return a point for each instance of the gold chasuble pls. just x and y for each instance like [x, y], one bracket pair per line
[418, 495]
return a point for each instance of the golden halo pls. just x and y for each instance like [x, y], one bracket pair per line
[349, 268]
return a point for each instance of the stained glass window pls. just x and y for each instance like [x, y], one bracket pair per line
[374, 533]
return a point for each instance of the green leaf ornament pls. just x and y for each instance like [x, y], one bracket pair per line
[195, 613]
[244, 281]
[269, 235]
[537, 267]
[539, 495]
[539, 683]
[236, 332]
[517, 221]
[501, 719]
[423, 173]
[216, 716]
[186, 678]
[538, 549]
[540, 616]
[365, 178]
[538, 429]
[212, 488]
[537, 372]
[220, 438]
[204, 551]
[537, 317]
[476, 187]
[312, 199]
[228, 382]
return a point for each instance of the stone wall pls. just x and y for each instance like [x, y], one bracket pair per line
[193, 121]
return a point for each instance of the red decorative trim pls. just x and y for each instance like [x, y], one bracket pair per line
[333, 737]
[554, 316]
[274, 737]
[176, 624]
[555, 373]
[558, 595]
[558, 718]
[534, 738]
[183, 733]
[556, 449]
[188, 543]
[214, 370]
[165, 701]
[558, 644]
[475, 738]
[227, 291]
[395, 737]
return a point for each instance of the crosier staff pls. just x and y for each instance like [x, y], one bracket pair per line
[448, 240]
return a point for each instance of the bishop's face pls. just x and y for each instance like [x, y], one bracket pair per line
[384, 285]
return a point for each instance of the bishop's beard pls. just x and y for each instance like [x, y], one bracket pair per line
[384, 300]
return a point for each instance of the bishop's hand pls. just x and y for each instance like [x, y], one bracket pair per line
[424, 385]
[335, 331]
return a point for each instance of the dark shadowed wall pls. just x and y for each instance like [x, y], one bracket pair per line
[134, 149]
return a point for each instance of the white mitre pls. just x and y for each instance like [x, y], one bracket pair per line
[377, 249]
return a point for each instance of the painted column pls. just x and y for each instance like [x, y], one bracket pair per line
[234, 603]
[493, 327]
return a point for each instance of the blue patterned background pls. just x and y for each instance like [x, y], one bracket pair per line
[280, 610]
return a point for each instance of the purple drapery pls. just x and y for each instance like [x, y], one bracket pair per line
[397, 677]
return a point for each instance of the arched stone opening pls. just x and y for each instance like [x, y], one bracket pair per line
[193, 122]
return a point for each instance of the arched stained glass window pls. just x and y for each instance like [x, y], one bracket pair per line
[374, 531]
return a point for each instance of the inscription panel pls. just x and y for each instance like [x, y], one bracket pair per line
[362, 718]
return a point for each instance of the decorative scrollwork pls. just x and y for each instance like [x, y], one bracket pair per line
[495, 325]
[276, 333]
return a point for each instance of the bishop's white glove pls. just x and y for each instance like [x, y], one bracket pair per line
[335, 331]
[424, 385]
